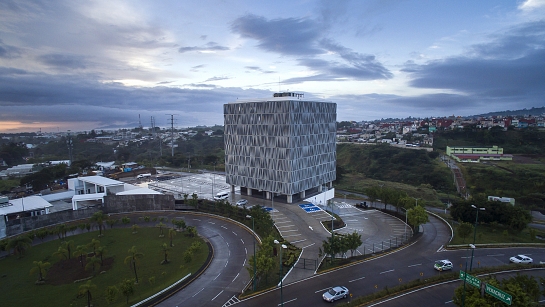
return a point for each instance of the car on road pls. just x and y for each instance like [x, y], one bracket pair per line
[335, 293]
[362, 205]
[521, 259]
[442, 265]
[242, 202]
[221, 196]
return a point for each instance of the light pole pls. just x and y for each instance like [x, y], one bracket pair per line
[464, 293]
[332, 230]
[255, 260]
[474, 233]
[282, 246]
[213, 178]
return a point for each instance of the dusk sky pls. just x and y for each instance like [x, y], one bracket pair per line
[83, 65]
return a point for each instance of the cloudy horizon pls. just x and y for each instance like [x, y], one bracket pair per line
[68, 65]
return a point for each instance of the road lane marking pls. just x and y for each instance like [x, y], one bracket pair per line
[285, 226]
[356, 279]
[387, 271]
[414, 265]
[235, 277]
[197, 292]
[448, 302]
[217, 276]
[496, 255]
[226, 263]
[223, 227]
[288, 301]
[217, 295]
[246, 251]
[298, 241]
[244, 263]
[309, 245]
[212, 223]
[242, 241]
[235, 233]
[322, 290]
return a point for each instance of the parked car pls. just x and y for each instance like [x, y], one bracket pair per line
[335, 293]
[442, 265]
[521, 259]
[242, 202]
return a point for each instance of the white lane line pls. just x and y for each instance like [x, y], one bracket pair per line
[496, 255]
[322, 290]
[242, 241]
[212, 223]
[227, 244]
[356, 279]
[289, 230]
[246, 251]
[292, 235]
[217, 276]
[309, 245]
[283, 222]
[448, 302]
[196, 219]
[217, 295]
[298, 241]
[235, 233]
[223, 227]
[288, 301]
[235, 277]
[197, 292]
[387, 271]
[226, 263]
[414, 265]
[244, 263]
[285, 226]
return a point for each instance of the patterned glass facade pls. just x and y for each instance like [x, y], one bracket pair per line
[283, 145]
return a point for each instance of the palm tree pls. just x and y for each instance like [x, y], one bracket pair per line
[100, 252]
[61, 253]
[92, 263]
[165, 249]
[68, 246]
[80, 251]
[99, 218]
[85, 289]
[171, 234]
[132, 259]
[19, 245]
[161, 226]
[94, 244]
[135, 228]
[41, 268]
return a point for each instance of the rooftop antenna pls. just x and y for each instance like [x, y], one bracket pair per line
[70, 147]
[139, 122]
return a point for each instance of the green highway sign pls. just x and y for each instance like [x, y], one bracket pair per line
[499, 294]
[474, 281]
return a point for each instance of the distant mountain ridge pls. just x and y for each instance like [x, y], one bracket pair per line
[533, 111]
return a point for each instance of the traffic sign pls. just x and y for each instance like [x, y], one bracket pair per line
[474, 281]
[499, 294]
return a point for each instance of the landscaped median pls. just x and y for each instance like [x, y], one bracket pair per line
[434, 280]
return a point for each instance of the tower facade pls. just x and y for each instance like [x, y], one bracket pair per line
[283, 146]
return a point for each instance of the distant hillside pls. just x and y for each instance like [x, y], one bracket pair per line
[532, 111]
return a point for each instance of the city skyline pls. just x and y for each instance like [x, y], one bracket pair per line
[100, 65]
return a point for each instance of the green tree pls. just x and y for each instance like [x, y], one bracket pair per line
[171, 235]
[127, 288]
[180, 224]
[125, 220]
[165, 249]
[99, 218]
[111, 294]
[192, 231]
[61, 252]
[19, 245]
[134, 228]
[417, 216]
[92, 264]
[112, 222]
[353, 241]
[133, 259]
[40, 268]
[68, 246]
[79, 252]
[94, 244]
[100, 252]
[85, 290]
[161, 226]
[464, 230]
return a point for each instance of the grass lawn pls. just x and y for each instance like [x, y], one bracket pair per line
[490, 235]
[19, 288]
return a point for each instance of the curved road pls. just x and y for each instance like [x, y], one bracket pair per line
[413, 262]
[226, 276]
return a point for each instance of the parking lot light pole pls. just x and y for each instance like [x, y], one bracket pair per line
[474, 234]
[282, 246]
[255, 260]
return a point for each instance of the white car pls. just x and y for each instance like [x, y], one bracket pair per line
[521, 259]
[221, 196]
[335, 293]
[442, 265]
[242, 202]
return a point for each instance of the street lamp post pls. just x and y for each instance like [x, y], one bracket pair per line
[255, 260]
[474, 233]
[464, 293]
[282, 246]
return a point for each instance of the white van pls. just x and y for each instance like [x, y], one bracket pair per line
[147, 175]
[222, 195]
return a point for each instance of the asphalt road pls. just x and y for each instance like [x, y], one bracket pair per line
[226, 276]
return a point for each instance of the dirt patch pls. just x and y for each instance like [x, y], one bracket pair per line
[526, 159]
[69, 270]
